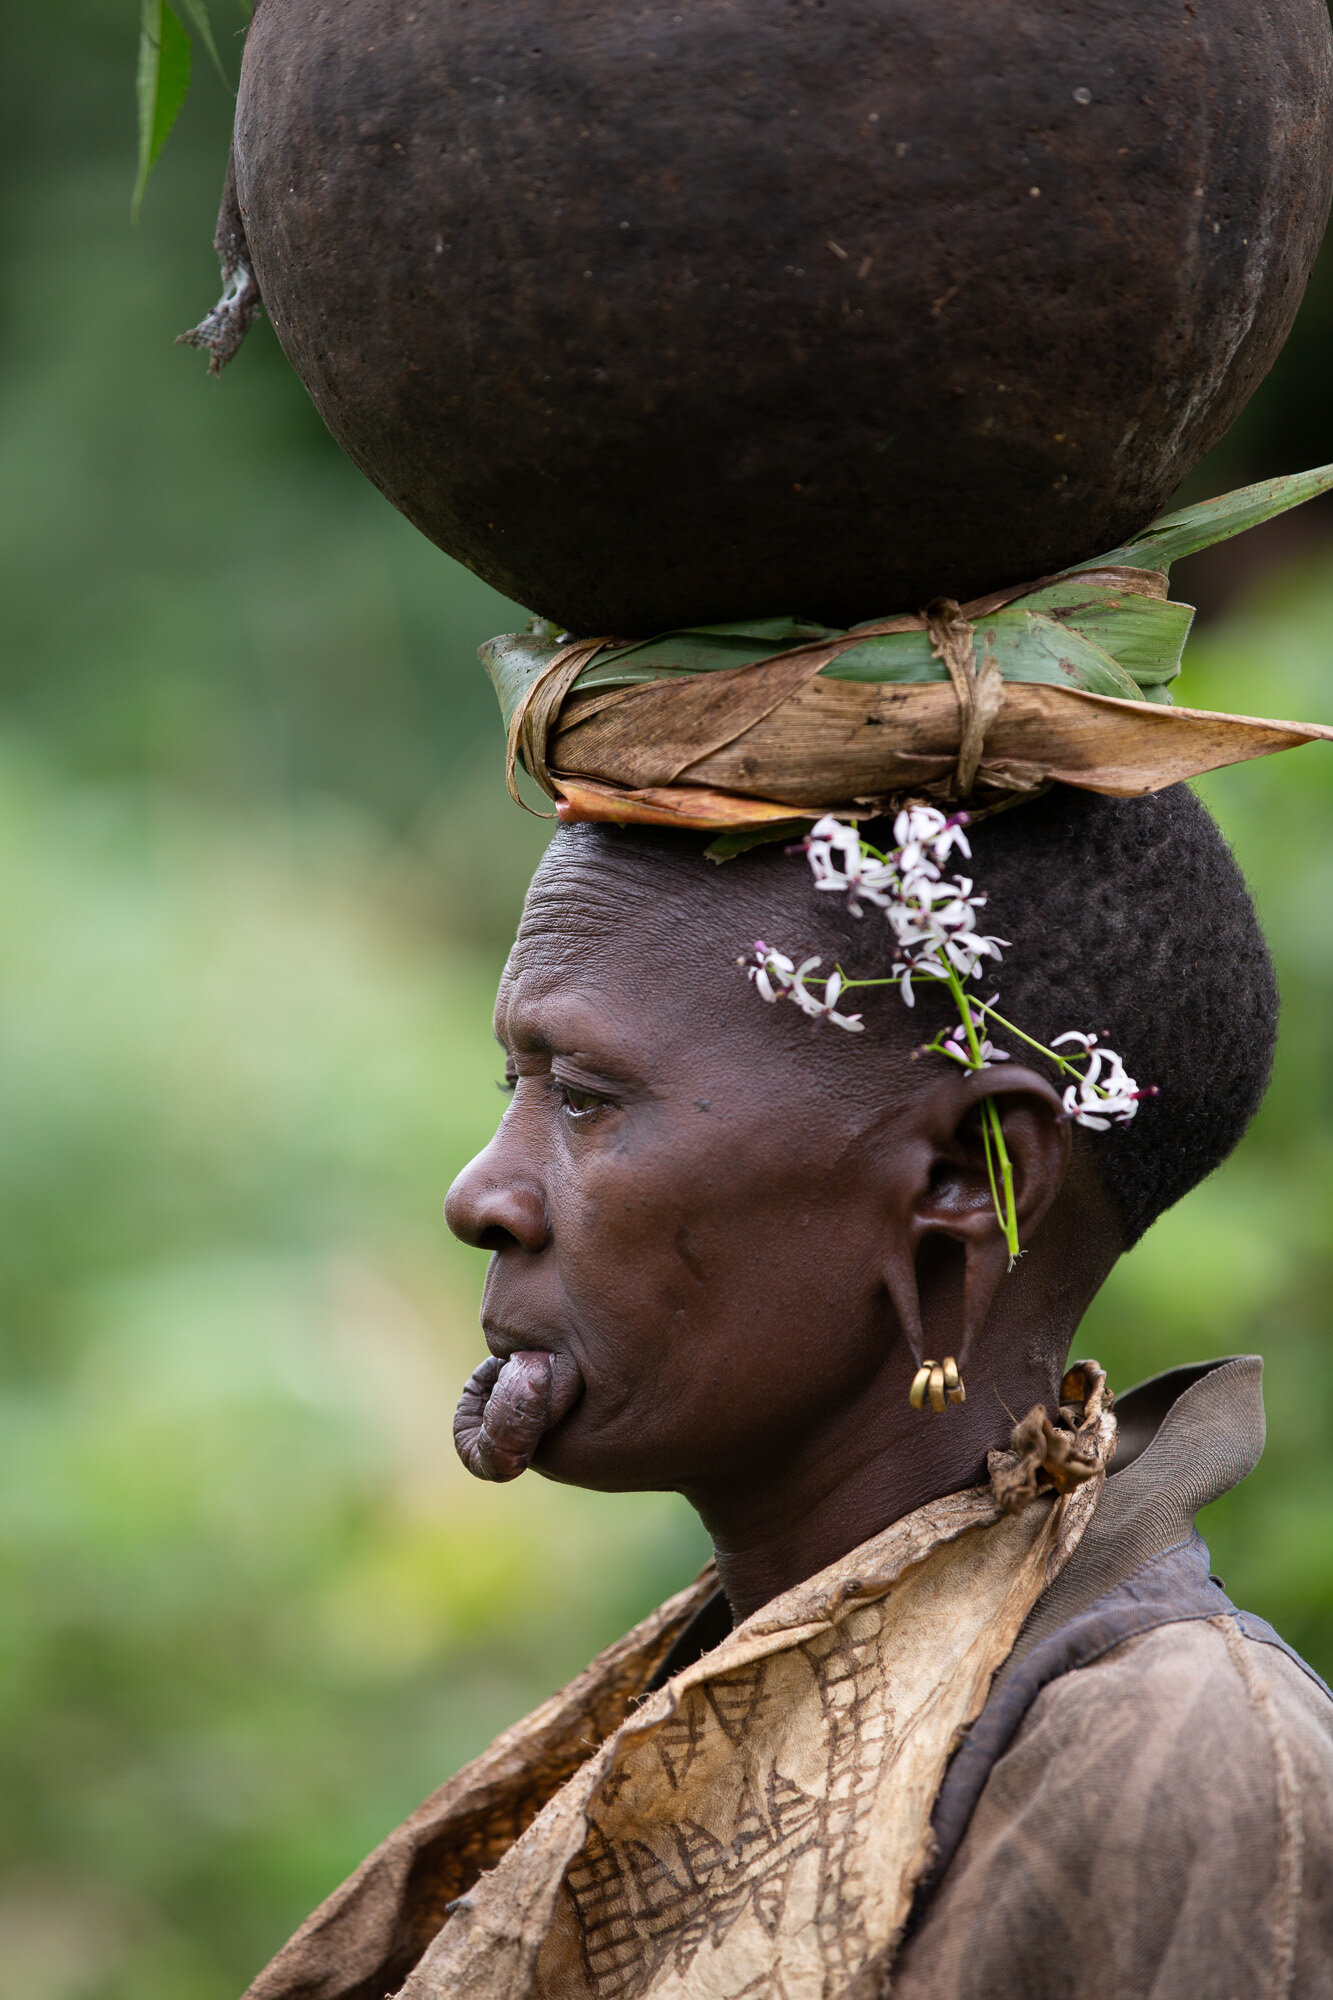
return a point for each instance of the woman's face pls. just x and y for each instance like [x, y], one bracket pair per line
[685, 1195]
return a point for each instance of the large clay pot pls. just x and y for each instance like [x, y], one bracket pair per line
[661, 311]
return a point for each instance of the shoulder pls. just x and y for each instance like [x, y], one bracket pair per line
[1162, 1823]
[1197, 1702]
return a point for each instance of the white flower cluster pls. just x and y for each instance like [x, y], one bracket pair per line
[934, 920]
[778, 978]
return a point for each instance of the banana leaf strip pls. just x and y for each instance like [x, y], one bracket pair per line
[828, 747]
[1109, 632]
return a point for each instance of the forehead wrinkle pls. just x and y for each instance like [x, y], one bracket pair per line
[555, 909]
[611, 878]
[765, 892]
[574, 910]
[611, 874]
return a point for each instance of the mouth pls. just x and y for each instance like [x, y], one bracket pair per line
[504, 1343]
[508, 1405]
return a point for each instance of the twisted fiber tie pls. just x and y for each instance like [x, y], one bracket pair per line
[978, 685]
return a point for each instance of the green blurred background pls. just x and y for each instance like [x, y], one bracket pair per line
[258, 876]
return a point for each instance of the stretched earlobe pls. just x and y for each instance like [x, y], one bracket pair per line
[943, 1300]
[904, 1290]
[986, 1263]
[939, 1382]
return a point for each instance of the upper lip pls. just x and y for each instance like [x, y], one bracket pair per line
[502, 1342]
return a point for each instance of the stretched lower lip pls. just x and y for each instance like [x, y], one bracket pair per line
[509, 1404]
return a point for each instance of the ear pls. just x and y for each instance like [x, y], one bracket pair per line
[947, 1256]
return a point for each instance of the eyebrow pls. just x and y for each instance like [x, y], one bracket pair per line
[537, 1043]
[577, 1041]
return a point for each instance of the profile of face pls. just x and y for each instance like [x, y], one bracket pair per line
[742, 1231]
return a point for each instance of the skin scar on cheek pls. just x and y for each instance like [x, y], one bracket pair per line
[688, 1254]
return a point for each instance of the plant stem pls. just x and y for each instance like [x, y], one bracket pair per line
[1008, 1219]
[988, 1143]
[992, 1130]
[1061, 1062]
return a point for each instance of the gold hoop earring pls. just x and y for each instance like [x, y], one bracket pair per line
[939, 1383]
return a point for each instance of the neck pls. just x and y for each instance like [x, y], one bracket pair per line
[770, 1533]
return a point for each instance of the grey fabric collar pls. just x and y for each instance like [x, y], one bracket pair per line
[1186, 1437]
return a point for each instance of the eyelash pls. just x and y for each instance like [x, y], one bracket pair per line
[565, 1092]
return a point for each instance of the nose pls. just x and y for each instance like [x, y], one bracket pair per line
[494, 1209]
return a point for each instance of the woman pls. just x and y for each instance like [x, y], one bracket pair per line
[955, 1713]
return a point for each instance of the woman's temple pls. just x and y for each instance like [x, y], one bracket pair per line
[819, 375]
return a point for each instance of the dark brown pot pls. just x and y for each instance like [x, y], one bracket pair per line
[660, 311]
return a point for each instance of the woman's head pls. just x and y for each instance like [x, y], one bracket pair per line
[728, 1218]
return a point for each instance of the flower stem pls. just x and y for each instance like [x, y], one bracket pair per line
[1005, 1210]
[992, 1130]
[1061, 1062]
[988, 1143]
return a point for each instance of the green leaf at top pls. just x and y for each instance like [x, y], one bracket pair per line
[164, 78]
[739, 841]
[1172, 536]
[196, 12]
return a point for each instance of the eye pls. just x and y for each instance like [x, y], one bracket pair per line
[579, 1106]
[507, 1083]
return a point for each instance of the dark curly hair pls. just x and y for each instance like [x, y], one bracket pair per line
[1132, 918]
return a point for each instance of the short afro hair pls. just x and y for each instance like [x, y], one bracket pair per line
[1125, 917]
[1130, 917]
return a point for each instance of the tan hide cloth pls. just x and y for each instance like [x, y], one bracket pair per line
[754, 1830]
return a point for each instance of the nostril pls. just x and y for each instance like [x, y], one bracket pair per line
[496, 1238]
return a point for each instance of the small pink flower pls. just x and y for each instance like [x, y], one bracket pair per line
[1106, 1093]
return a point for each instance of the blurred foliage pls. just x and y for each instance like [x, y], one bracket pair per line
[258, 871]
[250, 1606]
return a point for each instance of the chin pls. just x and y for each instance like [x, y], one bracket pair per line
[606, 1465]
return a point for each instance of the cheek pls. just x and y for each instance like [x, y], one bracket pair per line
[714, 1263]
